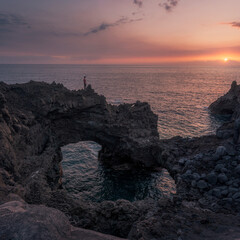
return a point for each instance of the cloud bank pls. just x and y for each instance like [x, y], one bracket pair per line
[139, 3]
[9, 21]
[105, 26]
[234, 24]
[169, 4]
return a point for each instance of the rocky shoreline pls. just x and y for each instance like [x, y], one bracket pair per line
[37, 119]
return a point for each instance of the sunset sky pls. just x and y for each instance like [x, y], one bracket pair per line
[119, 31]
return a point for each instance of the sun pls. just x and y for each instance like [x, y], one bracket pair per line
[226, 59]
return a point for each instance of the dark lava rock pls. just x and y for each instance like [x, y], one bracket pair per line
[196, 176]
[224, 170]
[236, 195]
[227, 200]
[212, 178]
[237, 169]
[40, 118]
[234, 164]
[221, 151]
[228, 103]
[216, 192]
[224, 192]
[219, 167]
[19, 220]
[233, 189]
[37, 119]
[222, 178]
[194, 183]
[202, 184]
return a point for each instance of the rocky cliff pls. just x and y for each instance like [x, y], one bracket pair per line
[207, 169]
[228, 104]
[37, 119]
[20, 220]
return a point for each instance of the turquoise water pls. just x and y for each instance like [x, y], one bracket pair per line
[179, 95]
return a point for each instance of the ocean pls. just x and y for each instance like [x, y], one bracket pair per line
[179, 95]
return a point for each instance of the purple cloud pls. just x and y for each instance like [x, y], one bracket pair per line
[138, 2]
[8, 20]
[169, 4]
[234, 24]
[105, 26]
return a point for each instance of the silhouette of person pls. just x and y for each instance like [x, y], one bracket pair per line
[84, 82]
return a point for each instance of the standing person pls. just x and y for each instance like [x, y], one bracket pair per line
[84, 82]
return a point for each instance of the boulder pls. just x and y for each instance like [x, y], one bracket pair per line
[202, 184]
[212, 178]
[19, 220]
[221, 151]
[222, 178]
[237, 169]
[219, 167]
[236, 195]
[216, 192]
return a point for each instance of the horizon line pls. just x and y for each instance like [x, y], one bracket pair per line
[218, 62]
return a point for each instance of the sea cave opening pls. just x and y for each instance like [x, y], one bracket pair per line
[85, 177]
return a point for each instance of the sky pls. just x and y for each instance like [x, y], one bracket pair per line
[119, 31]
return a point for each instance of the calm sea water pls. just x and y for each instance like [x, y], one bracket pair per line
[86, 178]
[179, 95]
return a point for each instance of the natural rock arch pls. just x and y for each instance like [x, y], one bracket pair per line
[37, 119]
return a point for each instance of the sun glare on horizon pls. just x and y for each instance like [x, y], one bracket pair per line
[226, 59]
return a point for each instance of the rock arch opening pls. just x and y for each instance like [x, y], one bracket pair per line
[86, 178]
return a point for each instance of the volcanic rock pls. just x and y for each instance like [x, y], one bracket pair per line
[37, 119]
[19, 220]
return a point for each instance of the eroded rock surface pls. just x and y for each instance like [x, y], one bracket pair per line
[229, 103]
[36, 119]
[206, 169]
[21, 221]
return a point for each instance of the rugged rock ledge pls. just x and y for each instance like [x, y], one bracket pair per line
[20, 220]
[36, 119]
[207, 169]
[229, 104]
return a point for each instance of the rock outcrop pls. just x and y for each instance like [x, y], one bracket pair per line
[206, 169]
[229, 104]
[37, 119]
[20, 220]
